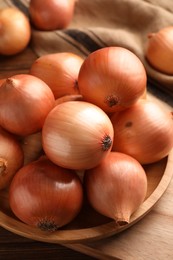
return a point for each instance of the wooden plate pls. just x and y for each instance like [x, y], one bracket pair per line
[90, 225]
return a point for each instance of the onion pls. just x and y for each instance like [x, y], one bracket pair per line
[77, 135]
[51, 14]
[59, 71]
[32, 147]
[15, 31]
[116, 187]
[25, 102]
[113, 78]
[2, 81]
[67, 98]
[45, 196]
[144, 131]
[159, 50]
[11, 158]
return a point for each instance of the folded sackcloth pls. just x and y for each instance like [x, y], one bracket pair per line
[101, 23]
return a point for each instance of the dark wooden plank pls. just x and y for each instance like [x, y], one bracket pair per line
[14, 247]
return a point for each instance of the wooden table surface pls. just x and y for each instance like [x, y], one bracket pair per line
[151, 238]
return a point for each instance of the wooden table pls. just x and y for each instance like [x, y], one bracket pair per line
[151, 238]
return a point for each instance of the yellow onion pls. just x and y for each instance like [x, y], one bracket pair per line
[45, 195]
[15, 31]
[113, 78]
[11, 158]
[59, 71]
[116, 187]
[51, 14]
[144, 131]
[159, 50]
[77, 135]
[25, 101]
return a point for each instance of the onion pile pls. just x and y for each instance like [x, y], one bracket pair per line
[94, 140]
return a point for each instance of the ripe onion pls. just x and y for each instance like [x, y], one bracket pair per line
[15, 31]
[144, 131]
[77, 135]
[11, 158]
[1, 81]
[113, 78]
[51, 14]
[59, 71]
[159, 50]
[25, 101]
[45, 195]
[116, 187]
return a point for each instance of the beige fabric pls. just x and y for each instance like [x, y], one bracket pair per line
[100, 23]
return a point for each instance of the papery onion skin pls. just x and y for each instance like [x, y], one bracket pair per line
[30, 101]
[113, 78]
[144, 131]
[159, 50]
[116, 187]
[11, 158]
[45, 195]
[31, 146]
[67, 98]
[15, 31]
[51, 14]
[77, 135]
[59, 71]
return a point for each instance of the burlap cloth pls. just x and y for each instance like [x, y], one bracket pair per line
[100, 23]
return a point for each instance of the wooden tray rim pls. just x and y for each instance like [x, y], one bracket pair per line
[93, 233]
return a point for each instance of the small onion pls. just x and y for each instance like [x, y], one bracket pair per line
[45, 195]
[144, 131]
[11, 158]
[59, 71]
[77, 135]
[159, 50]
[15, 31]
[113, 78]
[31, 146]
[51, 14]
[25, 101]
[116, 187]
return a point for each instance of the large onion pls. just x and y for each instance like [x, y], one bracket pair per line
[116, 187]
[45, 195]
[15, 31]
[59, 71]
[77, 135]
[113, 78]
[144, 131]
[25, 101]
